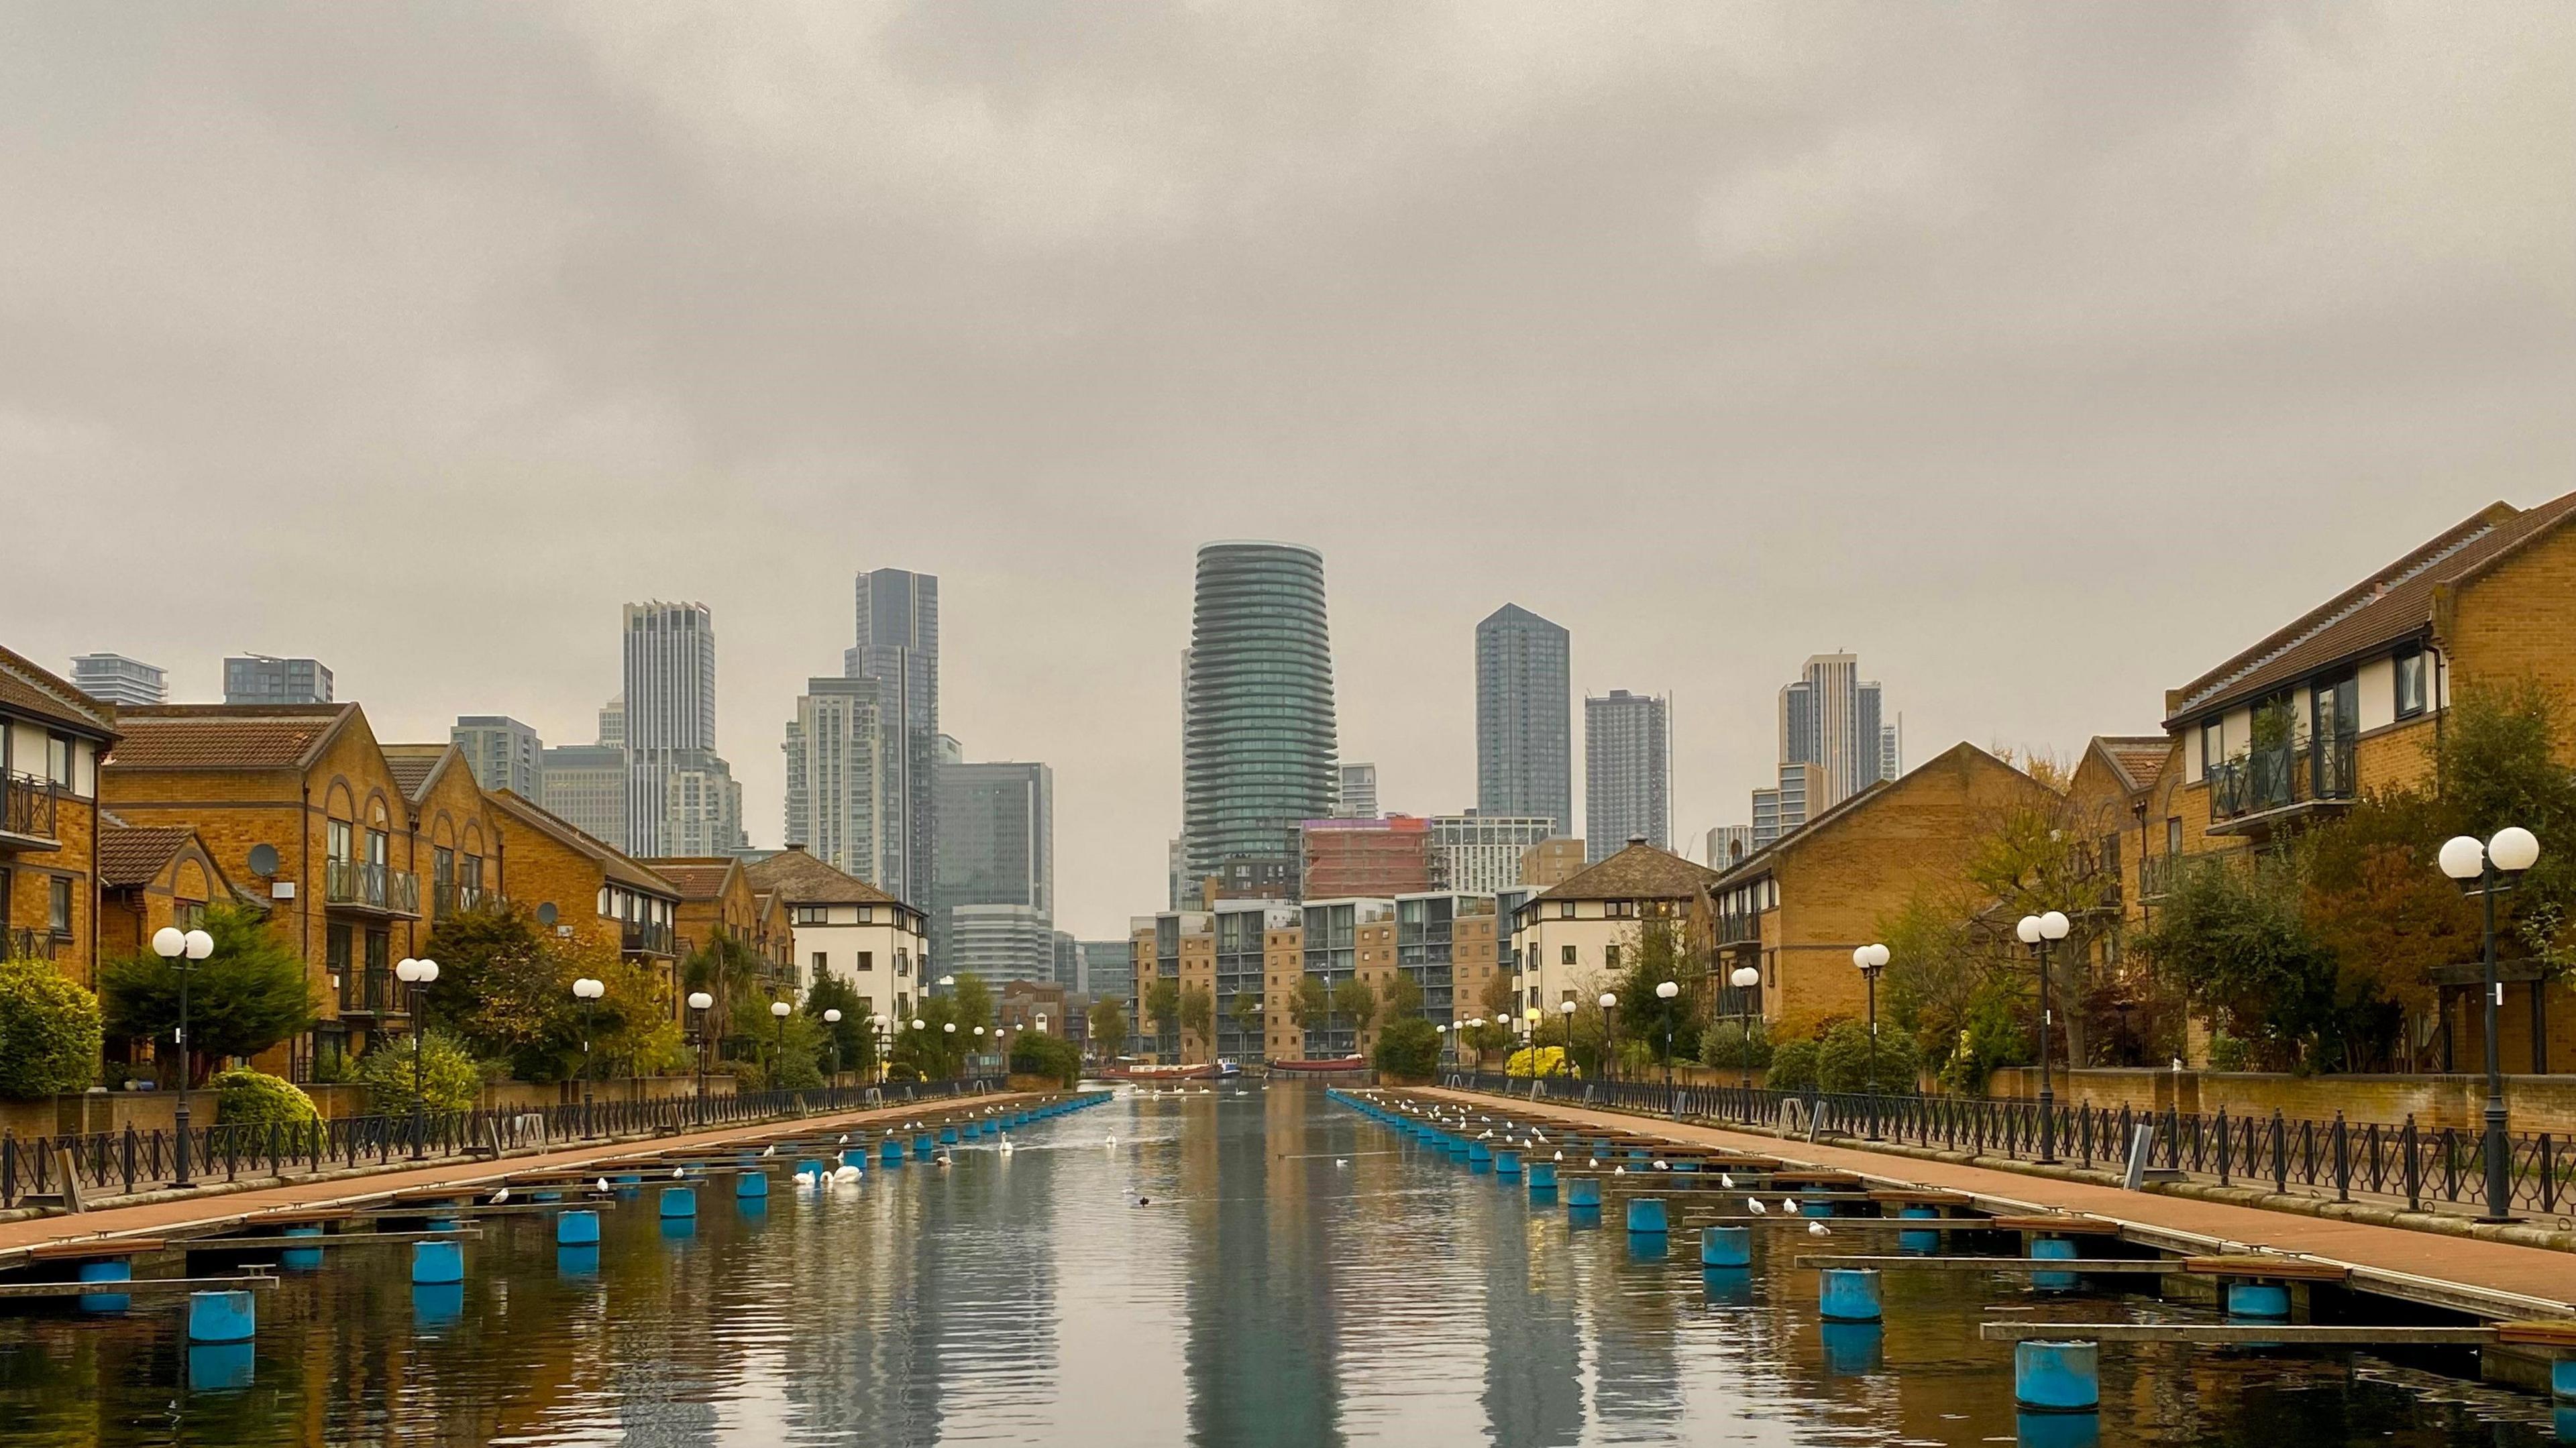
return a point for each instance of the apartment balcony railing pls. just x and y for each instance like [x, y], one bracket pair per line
[2275, 781]
[647, 938]
[2158, 874]
[27, 806]
[1739, 927]
[373, 991]
[24, 944]
[360, 885]
[450, 898]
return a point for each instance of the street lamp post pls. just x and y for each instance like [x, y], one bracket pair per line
[183, 949]
[884, 1035]
[699, 1002]
[1872, 959]
[2487, 868]
[780, 1011]
[1566, 1010]
[1665, 990]
[587, 991]
[1609, 1036]
[1744, 979]
[2038, 932]
[832, 1023]
[946, 1028]
[418, 974]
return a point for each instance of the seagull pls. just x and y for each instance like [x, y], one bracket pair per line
[1537, 1135]
[1618, 1171]
[678, 1172]
[845, 1138]
[500, 1196]
[1726, 1181]
[1341, 1161]
[1817, 1229]
[602, 1184]
[1662, 1165]
[772, 1148]
[1754, 1205]
[1560, 1156]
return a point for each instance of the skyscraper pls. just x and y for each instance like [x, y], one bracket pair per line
[996, 847]
[1357, 798]
[1524, 718]
[1480, 855]
[584, 785]
[1258, 758]
[898, 646]
[836, 776]
[1627, 772]
[504, 753]
[261, 679]
[681, 798]
[1832, 718]
[116, 679]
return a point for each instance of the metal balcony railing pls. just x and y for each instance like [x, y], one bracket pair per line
[645, 937]
[2272, 779]
[453, 897]
[23, 944]
[363, 885]
[27, 805]
[373, 992]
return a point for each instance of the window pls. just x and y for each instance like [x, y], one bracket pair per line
[902, 964]
[867, 915]
[1565, 910]
[187, 914]
[337, 945]
[1609, 957]
[822, 964]
[2173, 834]
[58, 904]
[2213, 748]
[58, 759]
[2410, 684]
[867, 960]
[337, 841]
[812, 914]
[1569, 957]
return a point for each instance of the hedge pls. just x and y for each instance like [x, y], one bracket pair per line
[1409, 1047]
[245, 1097]
[49, 1032]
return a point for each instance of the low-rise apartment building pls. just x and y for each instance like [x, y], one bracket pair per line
[843, 926]
[1574, 938]
[588, 889]
[51, 739]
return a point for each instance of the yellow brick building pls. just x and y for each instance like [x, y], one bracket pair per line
[51, 739]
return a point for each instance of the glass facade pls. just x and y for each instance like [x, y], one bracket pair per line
[1524, 719]
[1259, 748]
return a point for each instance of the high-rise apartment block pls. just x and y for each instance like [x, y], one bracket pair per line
[504, 753]
[897, 616]
[836, 775]
[612, 722]
[1475, 852]
[1258, 755]
[997, 943]
[996, 848]
[1357, 799]
[261, 679]
[1627, 771]
[1786, 806]
[1836, 739]
[116, 679]
[681, 797]
[1727, 845]
[584, 785]
[1524, 719]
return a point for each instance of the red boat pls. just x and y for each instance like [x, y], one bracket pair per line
[1345, 1063]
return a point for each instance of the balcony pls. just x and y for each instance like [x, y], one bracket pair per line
[1736, 927]
[2158, 875]
[2255, 793]
[448, 899]
[27, 808]
[22, 944]
[373, 992]
[641, 937]
[359, 885]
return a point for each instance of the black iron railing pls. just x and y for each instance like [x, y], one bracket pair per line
[27, 805]
[25, 944]
[2439, 1165]
[124, 1162]
[646, 937]
[365, 886]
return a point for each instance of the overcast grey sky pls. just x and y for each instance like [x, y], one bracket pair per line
[2043, 355]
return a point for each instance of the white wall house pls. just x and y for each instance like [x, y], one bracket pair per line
[849, 929]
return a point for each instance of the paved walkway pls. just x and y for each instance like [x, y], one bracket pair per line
[195, 1215]
[2523, 1281]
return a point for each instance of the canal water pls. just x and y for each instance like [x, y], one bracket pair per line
[1244, 1266]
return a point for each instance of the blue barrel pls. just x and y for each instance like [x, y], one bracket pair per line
[810, 1167]
[856, 1156]
[629, 1182]
[751, 1184]
[2562, 1378]
[1852, 1349]
[2055, 1249]
[924, 1147]
[1583, 1191]
[577, 1261]
[2258, 1301]
[301, 1259]
[1847, 1294]
[436, 1304]
[1810, 1207]
[2057, 1377]
[1685, 1164]
[222, 1367]
[1646, 1215]
[576, 1229]
[1542, 1178]
[679, 1202]
[890, 1150]
[1919, 1243]
[1726, 1247]
[1507, 1163]
[1727, 1286]
[548, 1197]
[1477, 1151]
[113, 1269]
[222, 1317]
[435, 1264]
[948, 1136]
[1461, 1149]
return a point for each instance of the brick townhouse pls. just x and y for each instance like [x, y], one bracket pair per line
[51, 738]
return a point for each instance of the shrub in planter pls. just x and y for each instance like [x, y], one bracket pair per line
[1793, 1066]
[1729, 1044]
[49, 1032]
[1408, 1047]
[454, 1082]
[245, 1097]
[1034, 1053]
[1843, 1061]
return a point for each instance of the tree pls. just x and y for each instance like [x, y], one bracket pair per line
[247, 996]
[1735, 1045]
[1844, 1059]
[2234, 936]
[854, 1035]
[1400, 998]
[1408, 1048]
[725, 966]
[1109, 1026]
[1654, 954]
[1161, 1004]
[49, 1032]
[244, 1097]
[1312, 1005]
[970, 1003]
[1246, 1011]
[451, 1081]
[1035, 1053]
[1355, 1000]
[1793, 1067]
[1198, 1013]
[505, 991]
[1494, 1035]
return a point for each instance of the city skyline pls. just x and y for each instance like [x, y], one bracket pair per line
[734, 351]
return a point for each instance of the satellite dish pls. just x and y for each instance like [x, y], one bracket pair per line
[263, 859]
[546, 913]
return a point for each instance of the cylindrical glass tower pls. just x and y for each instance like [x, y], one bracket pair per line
[1258, 751]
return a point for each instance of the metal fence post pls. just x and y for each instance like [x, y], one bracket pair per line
[2223, 1152]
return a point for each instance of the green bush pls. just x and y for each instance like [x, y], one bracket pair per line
[1035, 1053]
[1409, 1048]
[49, 1032]
[245, 1097]
[1730, 1045]
[1843, 1061]
[1793, 1066]
[249, 995]
[2227, 1053]
[1543, 1061]
[453, 1081]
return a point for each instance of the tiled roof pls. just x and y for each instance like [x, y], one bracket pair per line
[614, 864]
[2387, 606]
[414, 765]
[803, 880]
[2140, 758]
[700, 877]
[225, 736]
[1962, 755]
[132, 855]
[41, 694]
[1639, 872]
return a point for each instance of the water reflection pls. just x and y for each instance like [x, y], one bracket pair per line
[1244, 1267]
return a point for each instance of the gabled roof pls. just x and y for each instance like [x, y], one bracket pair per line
[227, 736]
[416, 767]
[2381, 609]
[700, 877]
[1759, 863]
[801, 879]
[2137, 759]
[42, 694]
[1638, 872]
[614, 864]
[133, 855]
